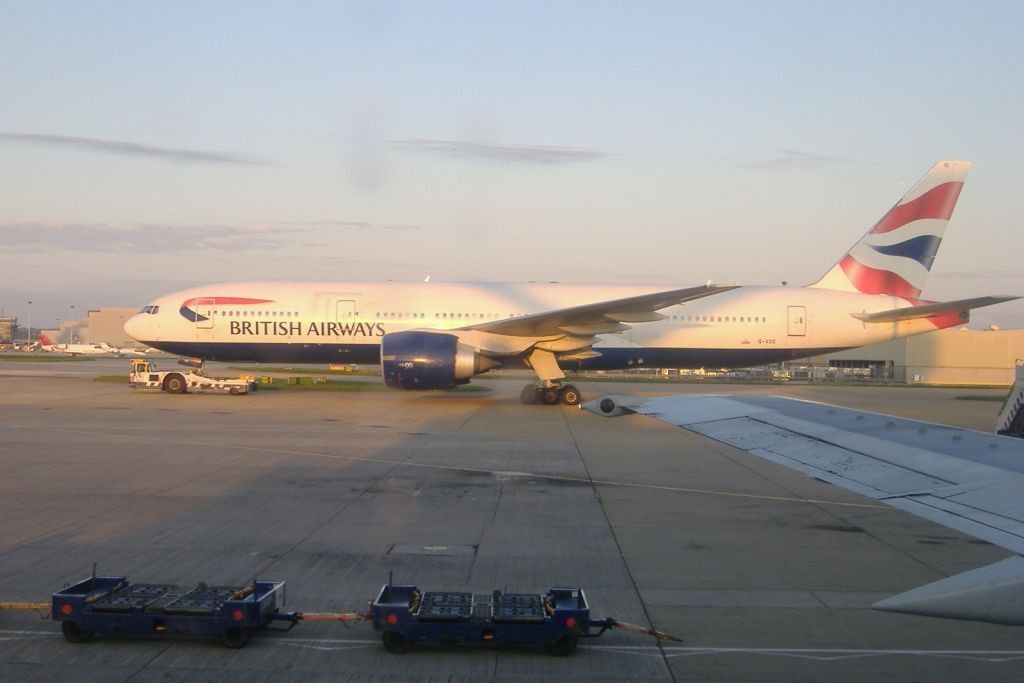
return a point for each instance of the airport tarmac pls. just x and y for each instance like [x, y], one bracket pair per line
[767, 575]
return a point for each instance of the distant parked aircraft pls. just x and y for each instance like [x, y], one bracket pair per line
[73, 349]
[122, 351]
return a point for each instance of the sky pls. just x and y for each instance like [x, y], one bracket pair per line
[147, 147]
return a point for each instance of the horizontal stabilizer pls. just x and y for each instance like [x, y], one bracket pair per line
[961, 306]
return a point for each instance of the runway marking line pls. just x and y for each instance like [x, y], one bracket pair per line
[821, 654]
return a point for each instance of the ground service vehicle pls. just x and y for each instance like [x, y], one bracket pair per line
[144, 375]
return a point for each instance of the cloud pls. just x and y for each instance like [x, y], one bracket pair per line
[358, 226]
[341, 261]
[541, 155]
[792, 160]
[123, 148]
[32, 237]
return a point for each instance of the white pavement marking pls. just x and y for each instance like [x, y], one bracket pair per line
[820, 654]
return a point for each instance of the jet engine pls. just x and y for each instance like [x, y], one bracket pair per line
[420, 359]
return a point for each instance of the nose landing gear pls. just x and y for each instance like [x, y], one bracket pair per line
[550, 393]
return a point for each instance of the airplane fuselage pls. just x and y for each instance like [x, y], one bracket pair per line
[337, 322]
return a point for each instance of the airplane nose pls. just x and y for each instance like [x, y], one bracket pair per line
[133, 327]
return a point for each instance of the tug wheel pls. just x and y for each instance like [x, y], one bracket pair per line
[562, 647]
[396, 643]
[235, 638]
[175, 384]
[74, 634]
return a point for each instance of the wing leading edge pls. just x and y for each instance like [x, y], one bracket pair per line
[597, 318]
[965, 480]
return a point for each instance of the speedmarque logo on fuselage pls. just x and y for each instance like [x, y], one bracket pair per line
[216, 301]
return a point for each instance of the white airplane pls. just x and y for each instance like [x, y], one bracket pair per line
[120, 351]
[73, 349]
[429, 335]
[963, 479]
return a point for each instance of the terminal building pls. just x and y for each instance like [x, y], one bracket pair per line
[951, 356]
[7, 327]
[102, 325]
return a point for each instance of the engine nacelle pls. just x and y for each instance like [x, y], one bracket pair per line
[429, 360]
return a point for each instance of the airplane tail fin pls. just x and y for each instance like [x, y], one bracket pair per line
[894, 257]
[44, 340]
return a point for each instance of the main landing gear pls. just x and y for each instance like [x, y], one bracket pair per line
[550, 394]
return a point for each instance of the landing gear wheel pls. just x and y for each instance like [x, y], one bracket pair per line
[396, 643]
[550, 396]
[235, 638]
[562, 647]
[569, 395]
[175, 384]
[74, 634]
[529, 395]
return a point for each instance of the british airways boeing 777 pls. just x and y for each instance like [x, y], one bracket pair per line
[431, 335]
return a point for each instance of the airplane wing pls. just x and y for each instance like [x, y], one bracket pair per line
[960, 308]
[597, 318]
[965, 480]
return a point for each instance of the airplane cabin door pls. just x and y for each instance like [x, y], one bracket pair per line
[345, 310]
[204, 313]
[797, 325]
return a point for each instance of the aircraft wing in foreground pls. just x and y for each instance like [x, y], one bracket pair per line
[965, 480]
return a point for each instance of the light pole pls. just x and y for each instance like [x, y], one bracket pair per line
[72, 321]
[28, 332]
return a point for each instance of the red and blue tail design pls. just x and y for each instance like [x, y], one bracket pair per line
[895, 256]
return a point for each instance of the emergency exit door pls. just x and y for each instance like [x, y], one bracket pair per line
[797, 326]
[344, 310]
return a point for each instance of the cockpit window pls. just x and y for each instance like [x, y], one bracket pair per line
[151, 310]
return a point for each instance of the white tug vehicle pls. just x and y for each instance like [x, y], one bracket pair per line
[144, 375]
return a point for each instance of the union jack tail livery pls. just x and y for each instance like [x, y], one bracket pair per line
[895, 256]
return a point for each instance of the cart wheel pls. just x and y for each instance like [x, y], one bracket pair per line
[74, 634]
[235, 638]
[234, 391]
[396, 643]
[562, 647]
[175, 384]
